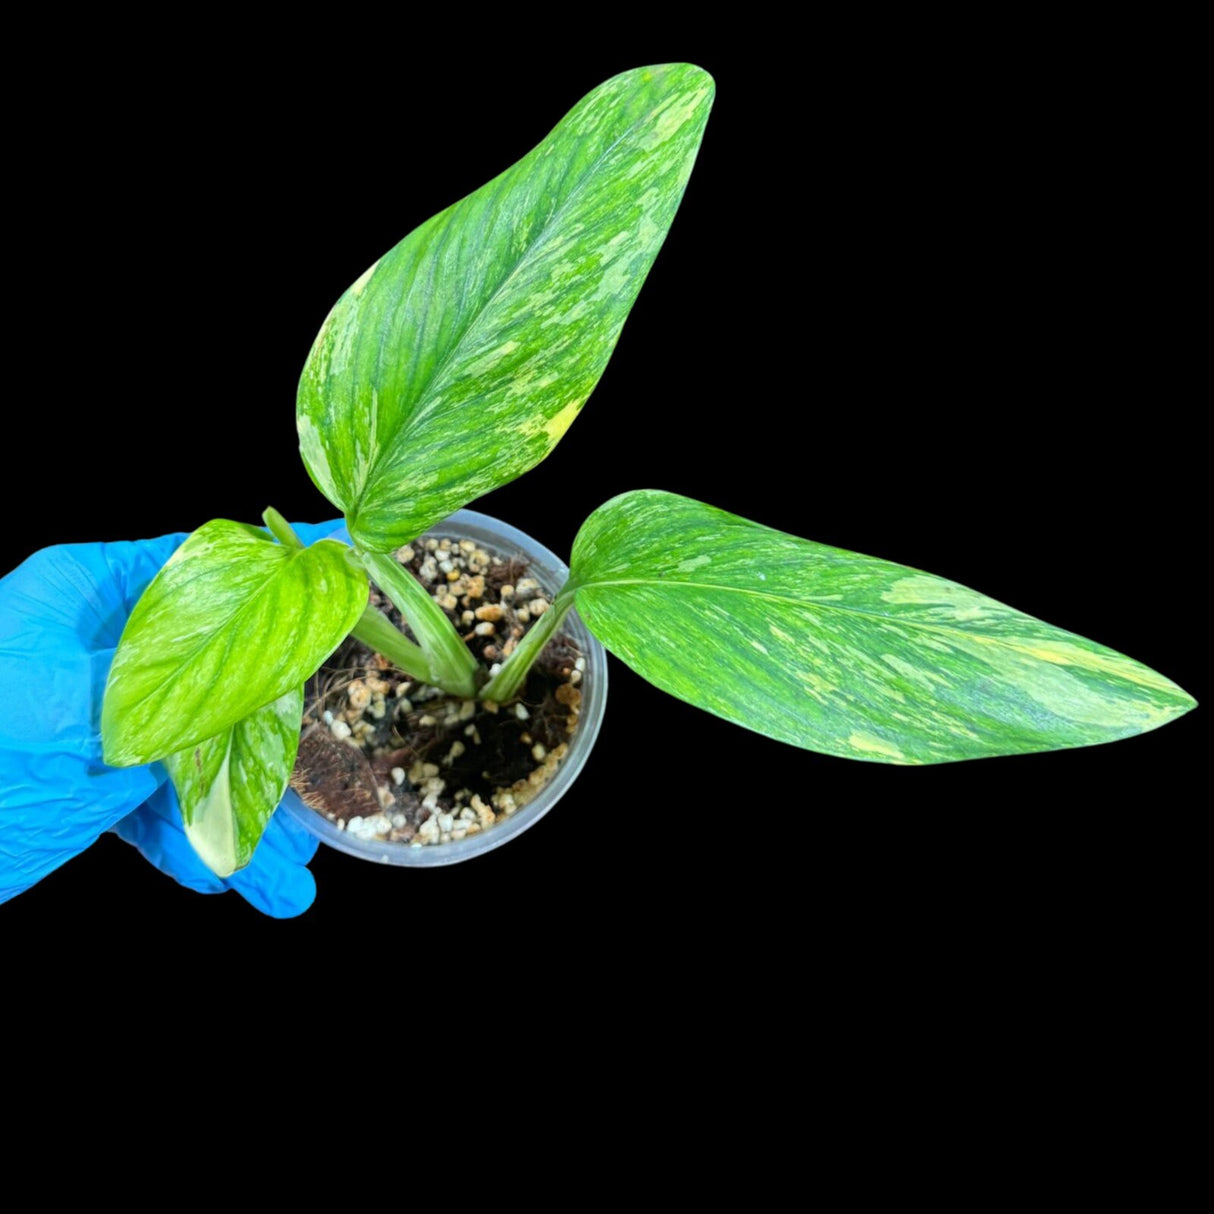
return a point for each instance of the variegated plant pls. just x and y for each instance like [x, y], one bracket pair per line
[454, 365]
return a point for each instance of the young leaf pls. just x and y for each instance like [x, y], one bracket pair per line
[451, 663]
[843, 653]
[461, 357]
[229, 785]
[230, 623]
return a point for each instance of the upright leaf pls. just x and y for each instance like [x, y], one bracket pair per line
[843, 653]
[459, 359]
[229, 785]
[231, 622]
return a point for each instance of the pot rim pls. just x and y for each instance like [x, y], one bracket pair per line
[551, 573]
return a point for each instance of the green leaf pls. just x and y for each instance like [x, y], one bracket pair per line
[230, 623]
[229, 785]
[458, 360]
[843, 653]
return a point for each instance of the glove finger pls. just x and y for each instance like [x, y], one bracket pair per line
[290, 840]
[279, 889]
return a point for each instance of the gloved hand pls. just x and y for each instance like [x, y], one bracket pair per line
[61, 614]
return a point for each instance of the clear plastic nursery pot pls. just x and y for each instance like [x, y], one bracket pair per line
[498, 539]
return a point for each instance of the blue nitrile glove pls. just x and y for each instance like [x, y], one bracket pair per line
[61, 614]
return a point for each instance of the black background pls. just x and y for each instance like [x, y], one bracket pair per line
[923, 300]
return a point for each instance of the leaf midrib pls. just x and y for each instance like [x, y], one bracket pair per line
[813, 604]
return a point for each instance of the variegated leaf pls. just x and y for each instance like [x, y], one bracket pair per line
[231, 622]
[229, 785]
[843, 653]
[457, 361]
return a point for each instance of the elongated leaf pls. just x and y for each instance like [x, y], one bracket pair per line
[229, 785]
[843, 653]
[460, 358]
[230, 623]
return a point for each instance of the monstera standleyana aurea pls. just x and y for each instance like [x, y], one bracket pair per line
[454, 365]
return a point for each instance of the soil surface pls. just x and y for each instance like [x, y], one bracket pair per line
[385, 757]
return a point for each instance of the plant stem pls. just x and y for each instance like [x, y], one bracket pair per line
[452, 666]
[505, 685]
[282, 531]
[376, 630]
